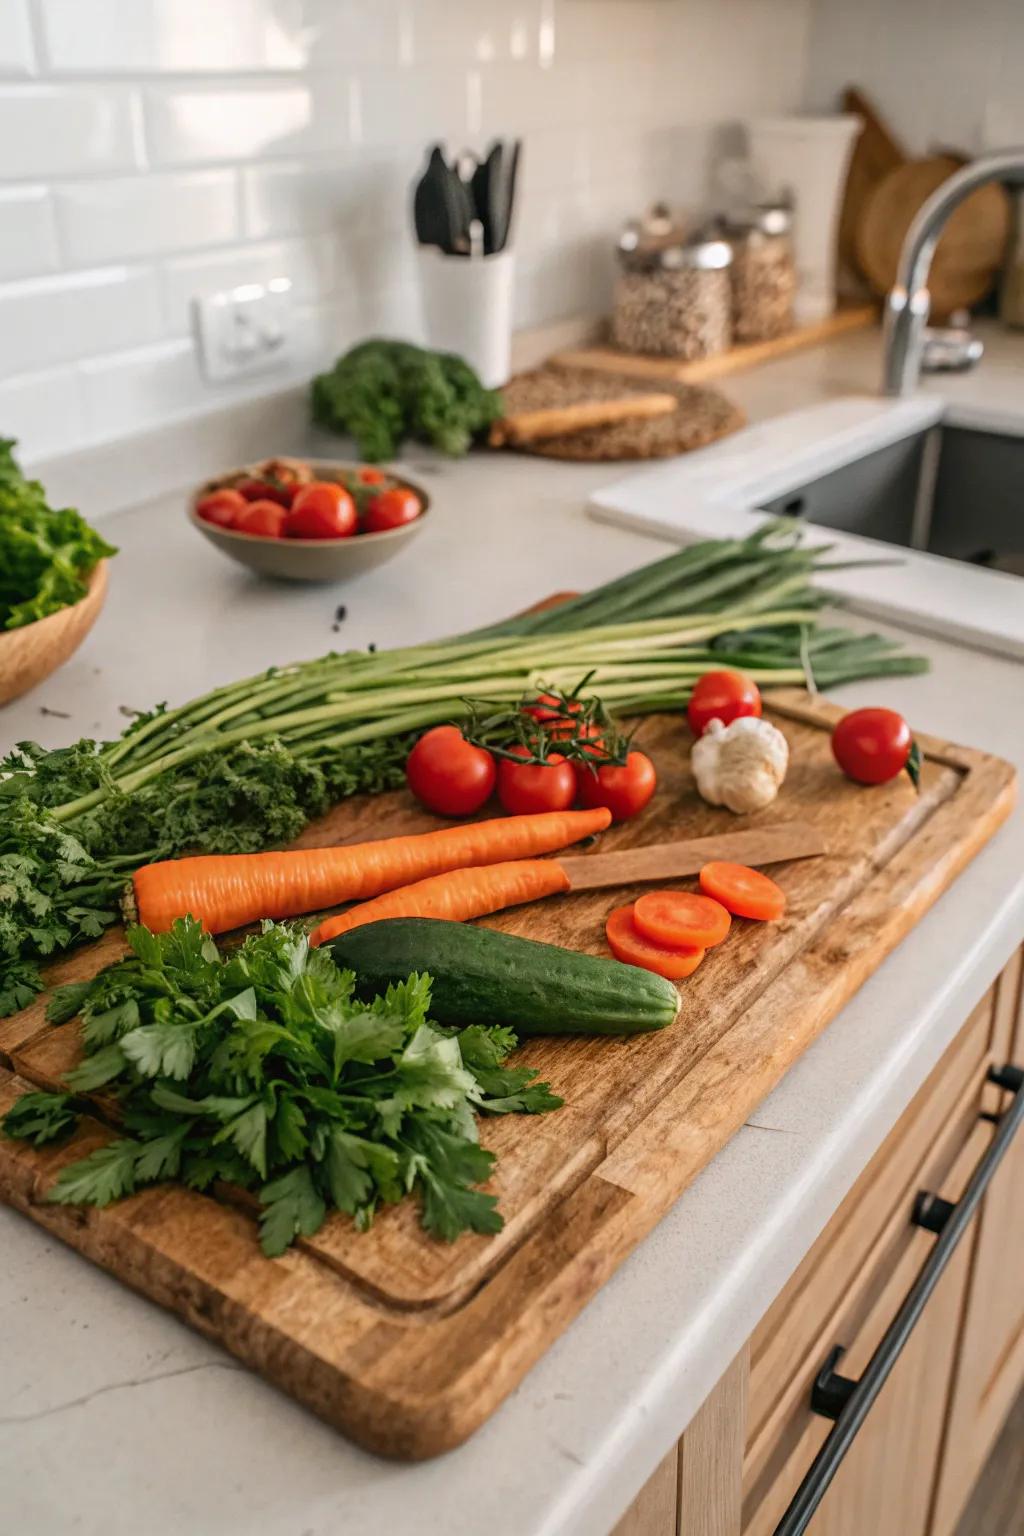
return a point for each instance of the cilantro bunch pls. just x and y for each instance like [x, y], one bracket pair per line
[260, 1068]
[46, 556]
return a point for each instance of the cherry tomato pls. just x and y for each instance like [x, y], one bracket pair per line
[392, 509]
[367, 475]
[548, 708]
[266, 490]
[262, 517]
[873, 745]
[524, 788]
[322, 510]
[221, 507]
[725, 696]
[448, 774]
[624, 790]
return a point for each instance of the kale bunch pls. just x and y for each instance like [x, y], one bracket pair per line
[46, 556]
[261, 1068]
[381, 392]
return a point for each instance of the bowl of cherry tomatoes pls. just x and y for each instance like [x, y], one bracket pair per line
[308, 520]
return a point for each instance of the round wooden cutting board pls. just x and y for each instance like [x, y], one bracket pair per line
[970, 251]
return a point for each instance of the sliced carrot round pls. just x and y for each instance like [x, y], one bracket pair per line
[745, 892]
[681, 919]
[629, 945]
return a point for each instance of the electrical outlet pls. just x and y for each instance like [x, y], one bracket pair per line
[244, 330]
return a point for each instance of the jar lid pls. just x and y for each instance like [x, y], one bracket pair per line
[693, 255]
[764, 218]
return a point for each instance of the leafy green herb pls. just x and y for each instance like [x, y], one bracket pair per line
[46, 556]
[260, 1067]
[384, 391]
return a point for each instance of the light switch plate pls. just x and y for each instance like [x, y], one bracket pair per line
[243, 330]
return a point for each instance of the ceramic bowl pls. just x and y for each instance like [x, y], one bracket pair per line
[310, 559]
[29, 654]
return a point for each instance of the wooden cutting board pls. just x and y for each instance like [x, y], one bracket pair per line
[875, 154]
[971, 247]
[407, 1344]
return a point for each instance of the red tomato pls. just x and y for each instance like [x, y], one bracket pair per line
[266, 490]
[725, 696]
[448, 774]
[524, 788]
[322, 510]
[548, 707]
[624, 790]
[263, 517]
[220, 507]
[392, 509]
[367, 475]
[872, 745]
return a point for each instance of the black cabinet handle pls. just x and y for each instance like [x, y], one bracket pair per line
[849, 1402]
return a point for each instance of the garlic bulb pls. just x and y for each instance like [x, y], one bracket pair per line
[740, 765]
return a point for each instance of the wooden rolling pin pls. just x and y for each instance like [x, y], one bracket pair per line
[529, 426]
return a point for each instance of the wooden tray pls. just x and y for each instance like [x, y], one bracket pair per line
[638, 365]
[407, 1344]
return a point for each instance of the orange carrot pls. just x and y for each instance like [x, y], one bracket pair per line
[227, 891]
[458, 895]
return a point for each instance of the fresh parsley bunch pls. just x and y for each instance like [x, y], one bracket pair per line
[260, 1068]
[46, 556]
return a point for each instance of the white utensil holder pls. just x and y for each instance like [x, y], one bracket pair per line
[468, 309]
[808, 157]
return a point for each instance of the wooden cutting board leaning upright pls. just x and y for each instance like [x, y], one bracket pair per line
[407, 1344]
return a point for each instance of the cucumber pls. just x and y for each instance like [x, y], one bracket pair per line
[484, 977]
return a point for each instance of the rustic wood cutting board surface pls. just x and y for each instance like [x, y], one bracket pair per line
[407, 1344]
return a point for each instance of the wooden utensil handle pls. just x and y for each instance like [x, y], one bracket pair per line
[529, 426]
[669, 861]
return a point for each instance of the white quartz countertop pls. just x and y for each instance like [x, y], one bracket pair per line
[115, 1418]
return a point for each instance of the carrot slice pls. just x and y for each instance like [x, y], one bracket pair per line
[629, 945]
[681, 919]
[225, 891]
[745, 892]
[458, 895]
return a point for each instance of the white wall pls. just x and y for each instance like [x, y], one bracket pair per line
[151, 150]
[944, 73]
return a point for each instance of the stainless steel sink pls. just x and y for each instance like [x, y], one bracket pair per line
[949, 490]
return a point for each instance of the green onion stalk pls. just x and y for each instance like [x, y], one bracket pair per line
[247, 765]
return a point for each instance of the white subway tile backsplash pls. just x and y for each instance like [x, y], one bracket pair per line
[53, 319]
[28, 238]
[187, 126]
[132, 216]
[54, 131]
[43, 411]
[216, 36]
[17, 56]
[160, 149]
[311, 264]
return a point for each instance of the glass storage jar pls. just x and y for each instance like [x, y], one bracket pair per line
[674, 300]
[763, 272]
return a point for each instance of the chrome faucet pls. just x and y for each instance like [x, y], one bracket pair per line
[906, 309]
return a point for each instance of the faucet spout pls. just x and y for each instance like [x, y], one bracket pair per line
[906, 308]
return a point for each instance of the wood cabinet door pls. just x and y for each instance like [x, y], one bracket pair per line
[990, 1362]
[886, 1482]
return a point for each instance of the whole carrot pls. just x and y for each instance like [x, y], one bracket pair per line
[227, 891]
[457, 896]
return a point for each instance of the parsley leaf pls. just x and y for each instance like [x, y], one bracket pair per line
[262, 1069]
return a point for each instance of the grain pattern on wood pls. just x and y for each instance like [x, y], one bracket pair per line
[990, 1365]
[671, 861]
[854, 317]
[653, 1511]
[711, 1457]
[31, 653]
[407, 1344]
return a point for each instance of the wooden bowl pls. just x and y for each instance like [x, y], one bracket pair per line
[29, 654]
[310, 559]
